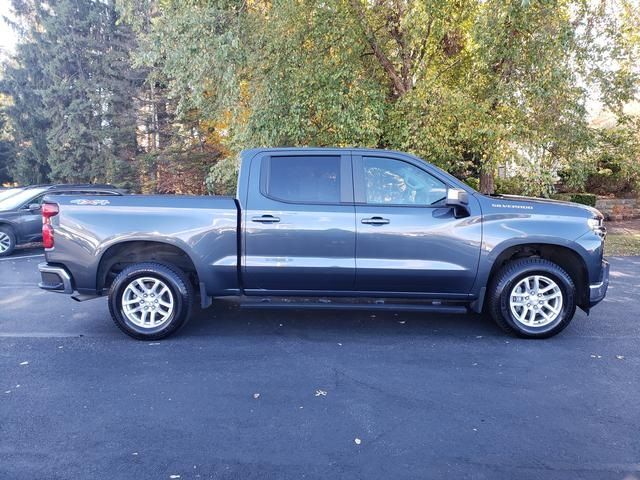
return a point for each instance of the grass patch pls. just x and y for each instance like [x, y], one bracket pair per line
[620, 244]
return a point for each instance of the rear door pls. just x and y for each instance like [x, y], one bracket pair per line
[299, 223]
[407, 239]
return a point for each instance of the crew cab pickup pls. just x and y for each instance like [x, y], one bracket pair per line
[329, 228]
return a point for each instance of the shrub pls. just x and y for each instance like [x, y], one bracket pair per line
[509, 186]
[473, 182]
[584, 198]
[616, 162]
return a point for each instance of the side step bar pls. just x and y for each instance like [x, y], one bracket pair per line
[432, 307]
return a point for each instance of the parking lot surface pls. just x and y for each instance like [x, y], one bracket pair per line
[303, 394]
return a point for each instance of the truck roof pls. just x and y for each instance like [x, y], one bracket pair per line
[253, 151]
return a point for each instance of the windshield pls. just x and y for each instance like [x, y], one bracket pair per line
[9, 192]
[23, 196]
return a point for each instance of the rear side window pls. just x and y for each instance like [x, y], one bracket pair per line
[304, 179]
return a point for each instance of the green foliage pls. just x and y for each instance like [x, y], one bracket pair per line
[615, 165]
[510, 186]
[584, 198]
[73, 90]
[7, 148]
[473, 182]
[223, 177]
[468, 85]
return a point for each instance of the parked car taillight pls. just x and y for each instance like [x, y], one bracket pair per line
[49, 210]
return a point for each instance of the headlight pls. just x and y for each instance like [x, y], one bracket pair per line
[596, 224]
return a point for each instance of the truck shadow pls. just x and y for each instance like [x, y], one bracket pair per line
[226, 319]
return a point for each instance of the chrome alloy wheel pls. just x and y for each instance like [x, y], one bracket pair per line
[536, 301]
[5, 242]
[147, 302]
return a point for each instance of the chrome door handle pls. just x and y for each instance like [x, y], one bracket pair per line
[266, 219]
[375, 221]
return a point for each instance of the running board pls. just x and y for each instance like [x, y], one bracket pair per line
[323, 304]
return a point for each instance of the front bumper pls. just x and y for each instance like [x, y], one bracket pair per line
[55, 279]
[597, 291]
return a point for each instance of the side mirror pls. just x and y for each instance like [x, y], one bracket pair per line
[34, 207]
[457, 197]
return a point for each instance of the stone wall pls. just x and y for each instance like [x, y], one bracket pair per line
[619, 208]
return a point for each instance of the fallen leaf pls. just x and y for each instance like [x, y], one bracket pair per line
[174, 476]
[24, 363]
[357, 441]
[256, 395]
[620, 357]
[321, 393]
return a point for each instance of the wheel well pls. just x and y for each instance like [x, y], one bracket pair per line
[567, 259]
[6, 224]
[119, 256]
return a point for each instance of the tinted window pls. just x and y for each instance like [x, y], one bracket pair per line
[24, 197]
[314, 179]
[394, 182]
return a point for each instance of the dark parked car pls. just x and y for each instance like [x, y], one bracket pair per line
[20, 219]
[353, 228]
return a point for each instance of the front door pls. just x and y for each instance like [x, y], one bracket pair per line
[407, 239]
[299, 223]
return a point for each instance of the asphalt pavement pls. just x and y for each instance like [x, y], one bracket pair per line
[246, 394]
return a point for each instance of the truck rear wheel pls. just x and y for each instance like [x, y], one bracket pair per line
[150, 301]
[532, 298]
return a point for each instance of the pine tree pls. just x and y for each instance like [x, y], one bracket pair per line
[84, 96]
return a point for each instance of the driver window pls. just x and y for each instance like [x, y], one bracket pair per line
[39, 199]
[394, 182]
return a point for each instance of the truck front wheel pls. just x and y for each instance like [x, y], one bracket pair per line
[532, 298]
[150, 301]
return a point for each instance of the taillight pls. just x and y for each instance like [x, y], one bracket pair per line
[49, 210]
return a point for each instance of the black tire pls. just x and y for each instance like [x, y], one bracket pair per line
[8, 233]
[508, 277]
[181, 294]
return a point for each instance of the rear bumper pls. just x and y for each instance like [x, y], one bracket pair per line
[55, 279]
[597, 291]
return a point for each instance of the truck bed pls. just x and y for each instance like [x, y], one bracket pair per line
[204, 226]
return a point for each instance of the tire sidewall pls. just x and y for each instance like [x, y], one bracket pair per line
[568, 300]
[182, 307]
[12, 239]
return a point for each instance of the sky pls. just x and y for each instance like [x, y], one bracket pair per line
[8, 37]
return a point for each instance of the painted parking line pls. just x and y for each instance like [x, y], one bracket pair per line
[23, 256]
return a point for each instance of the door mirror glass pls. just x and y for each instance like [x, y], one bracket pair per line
[34, 207]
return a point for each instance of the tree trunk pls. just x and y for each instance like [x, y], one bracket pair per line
[487, 184]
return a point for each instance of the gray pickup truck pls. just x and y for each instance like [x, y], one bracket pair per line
[329, 228]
